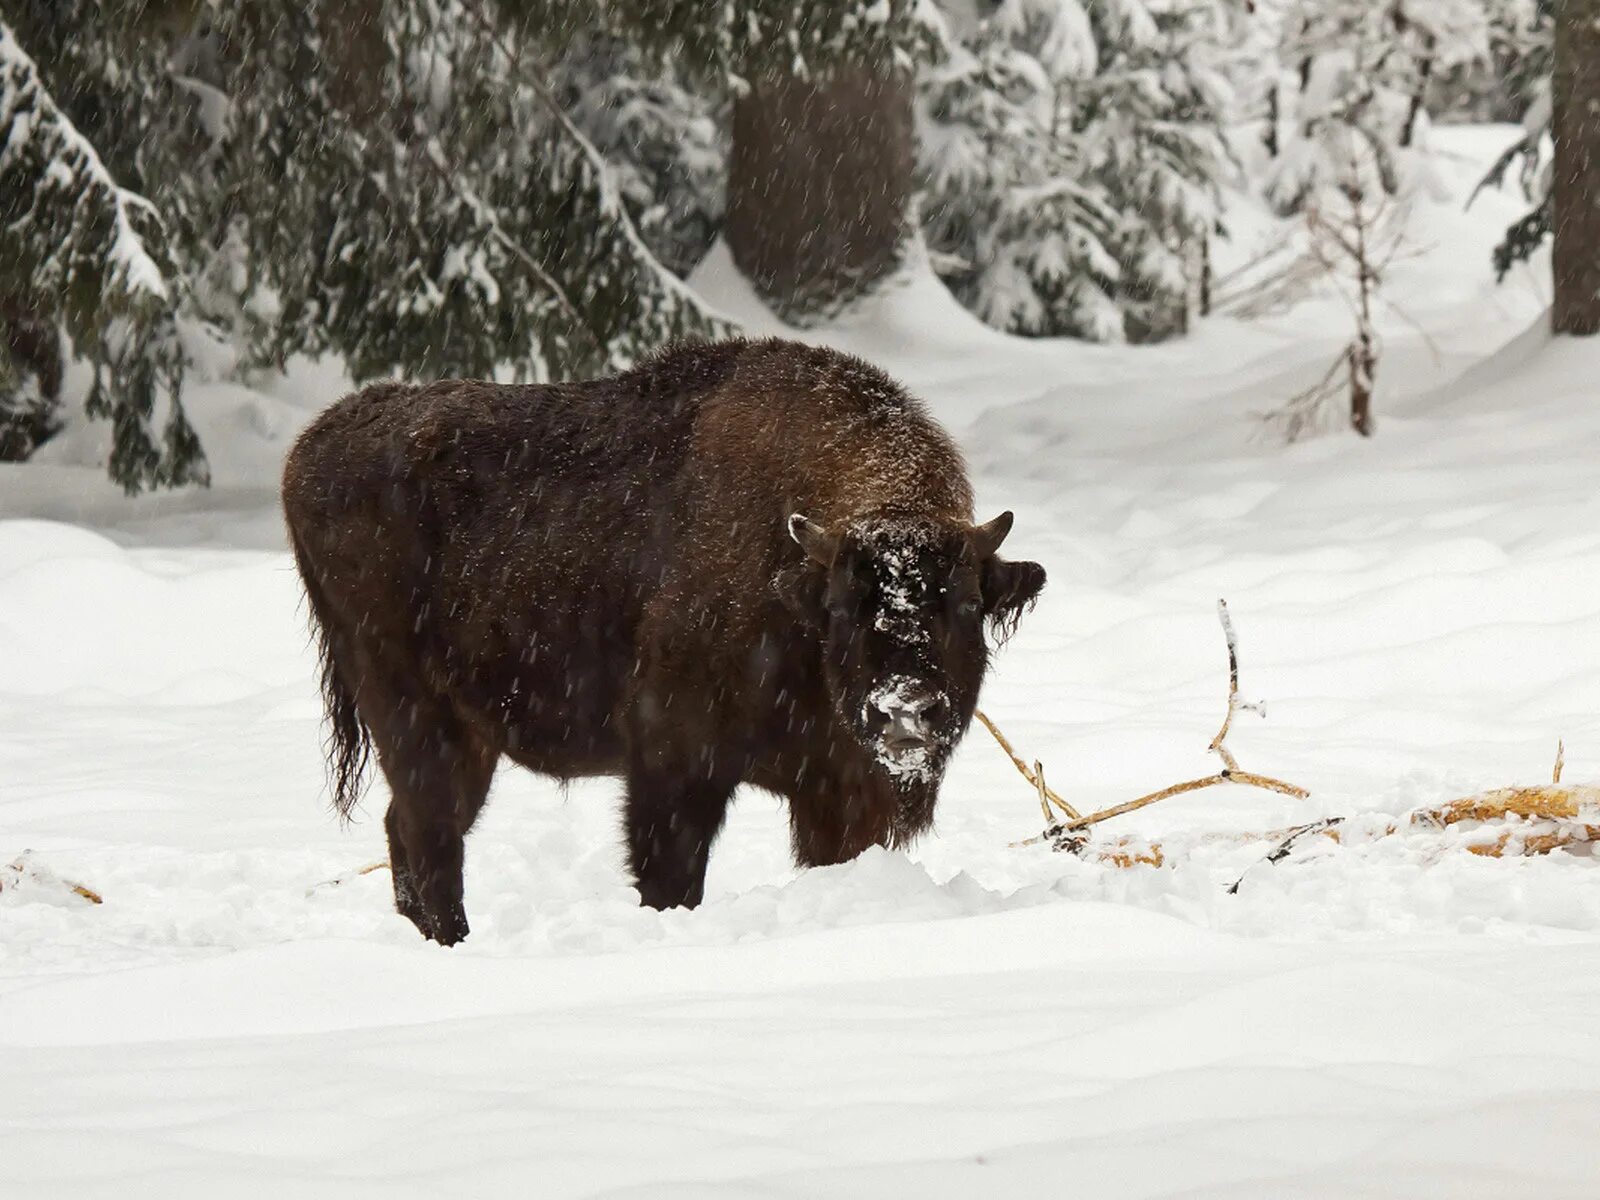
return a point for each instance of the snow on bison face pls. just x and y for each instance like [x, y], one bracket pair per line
[902, 604]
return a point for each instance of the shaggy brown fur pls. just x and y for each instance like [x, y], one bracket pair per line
[604, 578]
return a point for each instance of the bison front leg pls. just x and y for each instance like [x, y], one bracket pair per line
[673, 816]
[830, 824]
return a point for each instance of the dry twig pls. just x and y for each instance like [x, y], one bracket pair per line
[1068, 834]
[23, 868]
[1037, 780]
[1286, 844]
[348, 877]
[1231, 771]
[1518, 823]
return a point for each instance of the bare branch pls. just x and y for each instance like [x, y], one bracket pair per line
[1068, 835]
[348, 877]
[1286, 845]
[23, 869]
[1037, 780]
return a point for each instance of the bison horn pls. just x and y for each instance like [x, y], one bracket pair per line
[816, 541]
[986, 538]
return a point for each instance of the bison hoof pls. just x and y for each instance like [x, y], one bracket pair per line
[446, 929]
[662, 898]
[445, 923]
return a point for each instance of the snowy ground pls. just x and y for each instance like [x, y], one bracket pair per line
[1392, 1019]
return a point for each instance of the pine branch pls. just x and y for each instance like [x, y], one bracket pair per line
[94, 255]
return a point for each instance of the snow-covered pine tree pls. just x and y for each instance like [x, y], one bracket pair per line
[1016, 227]
[1152, 121]
[389, 181]
[447, 219]
[820, 159]
[85, 252]
[665, 141]
[1524, 36]
[1500, 86]
[1358, 71]
[1071, 155]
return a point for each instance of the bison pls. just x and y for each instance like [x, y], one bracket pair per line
[738, 562]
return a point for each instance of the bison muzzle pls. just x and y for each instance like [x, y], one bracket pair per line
[741, 562]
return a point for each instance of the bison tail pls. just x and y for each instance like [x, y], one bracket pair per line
[349, 744]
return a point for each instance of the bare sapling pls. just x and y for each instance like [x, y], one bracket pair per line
[1354, 235]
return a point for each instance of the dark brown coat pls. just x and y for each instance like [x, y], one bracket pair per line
[743, 562]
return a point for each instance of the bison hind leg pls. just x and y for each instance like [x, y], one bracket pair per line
[439, 774]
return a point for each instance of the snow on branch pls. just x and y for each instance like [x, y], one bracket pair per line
[86, 252]
[24, 873]
[80, 234]
[1069, 834]
[1501, 823]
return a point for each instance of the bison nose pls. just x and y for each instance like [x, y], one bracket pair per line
[909, 716]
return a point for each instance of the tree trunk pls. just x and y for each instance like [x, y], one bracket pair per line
[819, 182]
[1575, 200]
[1419, 95]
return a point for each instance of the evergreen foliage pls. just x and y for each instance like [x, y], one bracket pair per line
[474, 229]
[1501, 86]
[1071, 161]
[1350, 87]
[389, 182]
[1525, 43]
[665, 140]
[482, 187]
[86, 252]
[739, 40]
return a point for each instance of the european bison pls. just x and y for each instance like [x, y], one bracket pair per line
[741, 562]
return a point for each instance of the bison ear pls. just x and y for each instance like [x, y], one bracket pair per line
[1008, 588]
[802, 589]
[817, 542]
[987, 538]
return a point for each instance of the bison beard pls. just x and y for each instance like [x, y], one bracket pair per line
[741, 562]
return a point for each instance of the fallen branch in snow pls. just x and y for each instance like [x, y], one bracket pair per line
[1516, 823]
[1067, 835]
[1285, 846]
[348, 876]
[23, 869]
[1520, 821]
[1539, 819]
[1037, 779]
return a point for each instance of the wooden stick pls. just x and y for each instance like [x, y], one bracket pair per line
[1561, 760]
[348, 876]
[1044, 799]
[1286, 845]
[23, 868]
[1037, 781]
[1231, 771]
[1166, 793]
[1218, 743]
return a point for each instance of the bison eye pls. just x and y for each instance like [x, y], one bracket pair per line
[969, 607]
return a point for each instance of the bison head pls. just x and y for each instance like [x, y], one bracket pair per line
[901, 605]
